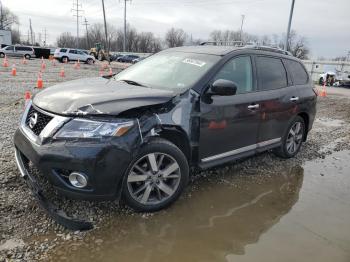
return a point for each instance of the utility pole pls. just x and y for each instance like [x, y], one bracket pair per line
[124, 41]
[289, 25]
[1, 17]
[241, 32]
[87, 32]
[77, 9]
[106, 35]
[31, 31]
[45, 35]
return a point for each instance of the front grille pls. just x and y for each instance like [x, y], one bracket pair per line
[42, 120]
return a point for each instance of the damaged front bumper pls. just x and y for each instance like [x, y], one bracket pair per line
[57, 214]
[104, 163]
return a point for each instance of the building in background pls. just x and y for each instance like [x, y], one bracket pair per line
[5, 38]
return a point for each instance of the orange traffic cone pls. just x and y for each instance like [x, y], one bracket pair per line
[27, 97]
[100, 73]
[110, 73]
[6, 62]
[62, 74]
[43, 65]
[78, 64]
[323, 92]
[24, 61]
[39, 82]
[14, 70]
[54, 62]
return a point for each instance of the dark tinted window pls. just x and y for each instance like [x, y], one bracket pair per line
[23, 48]
[299, 75]
[239, 71]
[63, 50]
[72, 51]
[271, 73]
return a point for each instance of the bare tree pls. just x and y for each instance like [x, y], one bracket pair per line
[16, 36]
[7, 18]
[297, 45]
[175, 37]
[66, 40]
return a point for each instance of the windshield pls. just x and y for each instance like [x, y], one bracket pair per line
[174, 71]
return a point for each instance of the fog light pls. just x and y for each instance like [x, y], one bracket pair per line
[78, 180]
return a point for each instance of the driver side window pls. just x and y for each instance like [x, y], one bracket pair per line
[239, 71]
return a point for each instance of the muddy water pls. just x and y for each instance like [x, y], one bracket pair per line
[301, 213]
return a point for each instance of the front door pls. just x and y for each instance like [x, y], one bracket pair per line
[229, 124]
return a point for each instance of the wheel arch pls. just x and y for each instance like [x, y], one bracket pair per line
[179, 138]
[306, 119]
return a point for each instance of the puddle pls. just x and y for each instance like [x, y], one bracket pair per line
[302, 213]
[330, 122]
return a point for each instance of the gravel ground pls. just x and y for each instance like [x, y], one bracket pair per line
[27, 234]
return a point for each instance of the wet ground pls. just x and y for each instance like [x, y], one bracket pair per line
[299, 213]
[259, 209]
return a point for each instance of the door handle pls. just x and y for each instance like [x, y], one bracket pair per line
[294, 98]
[255, 106]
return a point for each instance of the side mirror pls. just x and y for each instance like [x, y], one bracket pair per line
[222, 87]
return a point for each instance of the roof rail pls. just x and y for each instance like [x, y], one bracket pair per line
[224, 43]
[252, 45]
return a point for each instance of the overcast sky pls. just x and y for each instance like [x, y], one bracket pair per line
[324, 23]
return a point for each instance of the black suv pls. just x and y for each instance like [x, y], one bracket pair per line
[137, 135]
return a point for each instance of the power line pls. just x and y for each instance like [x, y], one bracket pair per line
[77, 9]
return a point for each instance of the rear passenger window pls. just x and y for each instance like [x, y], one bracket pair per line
[300, 76]
[239, 71]
[271, 73]
[72, 51]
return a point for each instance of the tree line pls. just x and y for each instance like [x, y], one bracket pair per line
[147, 42]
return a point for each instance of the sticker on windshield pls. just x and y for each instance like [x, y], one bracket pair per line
[193, 62]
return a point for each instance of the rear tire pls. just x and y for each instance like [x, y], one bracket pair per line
[27, 56]
[64, 59]
[89, 61]
[293, 139]
[156, 177]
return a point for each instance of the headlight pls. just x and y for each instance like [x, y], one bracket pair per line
[80, 128]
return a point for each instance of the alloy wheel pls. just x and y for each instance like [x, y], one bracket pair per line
[294, 138]
[154, 178]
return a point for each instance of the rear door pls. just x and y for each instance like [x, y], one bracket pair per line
[229, 124]
[81, 56]
[278, 99]
[72, 54]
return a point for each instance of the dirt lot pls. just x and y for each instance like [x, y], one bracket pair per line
[262, 208]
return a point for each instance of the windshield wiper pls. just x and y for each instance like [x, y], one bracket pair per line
[131, 82]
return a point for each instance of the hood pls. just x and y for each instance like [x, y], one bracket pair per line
[98, 96]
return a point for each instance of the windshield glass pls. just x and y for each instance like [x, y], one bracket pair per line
[174, 71]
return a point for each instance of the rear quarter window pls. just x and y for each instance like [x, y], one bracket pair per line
[299, 75]
[271, 73]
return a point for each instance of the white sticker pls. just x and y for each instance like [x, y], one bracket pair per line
[193, 62]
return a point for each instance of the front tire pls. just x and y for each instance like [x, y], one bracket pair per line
[292, 140]
[2, 55]
[156, 177]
